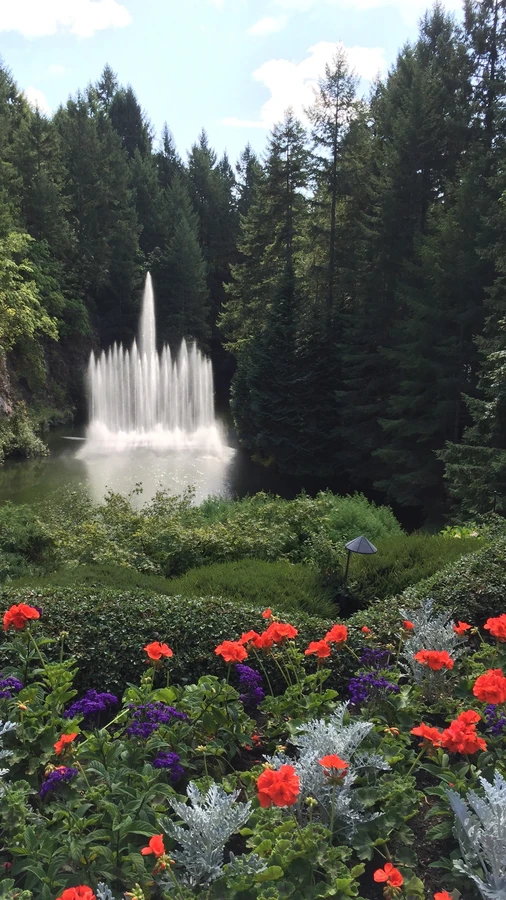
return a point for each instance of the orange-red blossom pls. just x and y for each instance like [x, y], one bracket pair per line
[435, 659]
[155, 846]
[231, 651]
[497, 627]
[278, 788]
[461, 628]
[460, 736]
[81, 892]
[156, 650]
[389, 875]
[319, 648]
[338, 634]
[63, 742]
[491, 687]
[18, 615]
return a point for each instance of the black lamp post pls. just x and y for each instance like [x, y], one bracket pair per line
[358, 545]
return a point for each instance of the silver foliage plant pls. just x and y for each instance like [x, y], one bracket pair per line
[480, 825]
[319, 738]
[5, 727]
[104, 892]
[431, 632]
[210, 821]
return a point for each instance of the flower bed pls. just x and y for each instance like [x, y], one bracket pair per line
[231, 789]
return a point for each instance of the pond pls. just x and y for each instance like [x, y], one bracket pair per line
[72, 465]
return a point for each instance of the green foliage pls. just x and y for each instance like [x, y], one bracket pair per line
[22, 315]
[281, 585]
[402, 561]
[18, 435]
[114, 627]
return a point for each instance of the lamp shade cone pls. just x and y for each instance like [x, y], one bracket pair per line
[361, 545]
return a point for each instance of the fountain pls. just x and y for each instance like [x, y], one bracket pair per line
[141, 398]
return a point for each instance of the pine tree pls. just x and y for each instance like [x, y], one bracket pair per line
[249, 174]
[129, 121]
[168, 161]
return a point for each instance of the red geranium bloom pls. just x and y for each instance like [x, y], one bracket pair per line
[491, 687]
[264, 642]
[461, 735]
[497, 627]
[19, 615]
[428, 733]
[333, 762]
[435, 659]
[443, 895]
[156, 650]
[320, 649]
[63, 742]
[279, 632]
[155, 846]
[338, 634]
[249, 637]
[281, 787]
[390, 875]
[408, 625]
[267, 614]
[461, 628]
[231, 651]
[82, 892]
[365, 629]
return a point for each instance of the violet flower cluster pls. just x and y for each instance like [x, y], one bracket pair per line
[147, 718]
[375, 659]
[8, 684]
[250, 685]
[170, 761]
[495, 719]
[58, 777]
[91, 705]
[369, 684]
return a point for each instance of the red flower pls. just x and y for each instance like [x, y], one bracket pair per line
[83, 892]
[333, 762]
[390, 875]
[365, 629]
[19, 615]
[461, 628]
[155, 846]
[231, 651]
[407, 625]
[320, 649]
[443, 895]
[63, 742]
[428, 733]
[156, 650]
[338, 634]
[264, 642]
[461, 735]
[497, 627]
[435, 659]
[277, 632]
[267, 614]
[491, 687]
[280, 788]
[249, 637]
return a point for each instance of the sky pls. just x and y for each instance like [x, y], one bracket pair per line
[229, 66]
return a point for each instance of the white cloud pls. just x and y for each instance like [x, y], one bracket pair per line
[56, 69]
[40, 18]
[217, 3]
[37, 99]
[268, 25]
[291, 84]
[411, 10]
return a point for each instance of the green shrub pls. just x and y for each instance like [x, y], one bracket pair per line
[26, 543]
[471, 589]
[282, 585]
[106, 630]
[404, 560]
[118, 578]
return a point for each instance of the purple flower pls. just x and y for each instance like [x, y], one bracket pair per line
[59, 776]
[366, 685]
[495, 719]
[8, 684]
[148, 717]
[166, 760]
[250, 685]
[375, 659]
[91, 705]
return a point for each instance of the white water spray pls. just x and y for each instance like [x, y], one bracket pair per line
[138, 397]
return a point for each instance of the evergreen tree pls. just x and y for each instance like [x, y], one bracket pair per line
[168, 161]
[129, 121]
[249, 173]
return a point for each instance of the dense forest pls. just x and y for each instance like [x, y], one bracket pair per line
[350, 285]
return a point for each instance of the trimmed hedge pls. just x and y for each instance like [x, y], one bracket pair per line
[118, 578]
[404, 560]
[106, 630]
[471, 589]
[281, 585]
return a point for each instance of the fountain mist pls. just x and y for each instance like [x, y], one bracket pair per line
[140, 397]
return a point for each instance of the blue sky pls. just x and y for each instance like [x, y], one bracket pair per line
[230, 66]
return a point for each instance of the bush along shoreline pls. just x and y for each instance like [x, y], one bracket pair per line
[238, 788]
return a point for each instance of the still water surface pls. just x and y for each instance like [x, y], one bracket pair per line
[71, 467]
